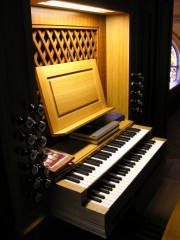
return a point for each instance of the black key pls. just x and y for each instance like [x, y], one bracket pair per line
[108, 183]
[96, 155]
[73, 179]
[124, 139]
[84, 168]
[150, 141]
[110, 149]
[81, 172]
[97, 194]
[93, 162]
[105, 186]
[140, 151]
[104, 190]
[132, 159]
[120, 143]
[134, 129]
[92, 197]
[146, 147]
[136, 156]
[89, 167]
[123, 167]
[115, 143]
[107, 154]
[115, 176]
[128, 164]
[128, 133]
[76, 176]
[120, 172]
[112, 179]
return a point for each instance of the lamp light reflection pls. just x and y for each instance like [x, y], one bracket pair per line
[68, 5]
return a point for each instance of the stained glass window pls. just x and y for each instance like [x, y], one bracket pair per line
[174, 64]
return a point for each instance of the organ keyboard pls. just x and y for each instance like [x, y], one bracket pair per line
[96, 165]
[93, 194]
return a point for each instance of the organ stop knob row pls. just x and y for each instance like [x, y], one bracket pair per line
[136, 92]
[31, 129]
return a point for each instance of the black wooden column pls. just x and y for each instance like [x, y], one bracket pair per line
[17, 91]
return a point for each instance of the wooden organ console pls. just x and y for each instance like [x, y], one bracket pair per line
[104, 177]
[96, 191]
[62, 37]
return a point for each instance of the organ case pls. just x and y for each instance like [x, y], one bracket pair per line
[113, 67]
[76, 198]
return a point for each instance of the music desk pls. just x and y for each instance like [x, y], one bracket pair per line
[172, 231]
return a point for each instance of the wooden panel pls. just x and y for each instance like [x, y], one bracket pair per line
[79, 86]
[72, 94]
[49, 16]
[117, 49]
[54, 18]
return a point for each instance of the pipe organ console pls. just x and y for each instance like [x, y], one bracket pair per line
[104, 177]
[97, 190]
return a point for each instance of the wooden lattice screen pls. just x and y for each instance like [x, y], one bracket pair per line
[54, 46]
